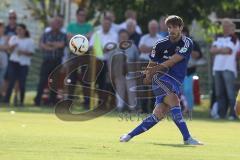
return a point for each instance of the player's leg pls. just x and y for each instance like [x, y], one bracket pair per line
[158, 113]
[173, 101]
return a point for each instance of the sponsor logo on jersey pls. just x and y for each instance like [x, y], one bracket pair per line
[183, 50]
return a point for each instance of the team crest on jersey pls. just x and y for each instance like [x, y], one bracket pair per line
[183, 50]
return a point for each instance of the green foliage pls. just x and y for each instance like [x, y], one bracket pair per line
[153, 9]
[44, 9]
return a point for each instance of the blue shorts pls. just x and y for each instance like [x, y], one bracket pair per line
[164, 85]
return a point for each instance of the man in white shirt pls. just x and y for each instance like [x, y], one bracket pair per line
[102, 37]
[224, 49]
[130, 14]
[131, 28]
[104, 34]
[148, 40]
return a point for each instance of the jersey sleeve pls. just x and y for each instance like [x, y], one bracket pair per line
[156, 53]
[186, 50]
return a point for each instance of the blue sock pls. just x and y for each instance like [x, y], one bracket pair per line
[179, 121]
[146, 124]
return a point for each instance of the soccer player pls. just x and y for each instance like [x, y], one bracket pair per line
[173, 53]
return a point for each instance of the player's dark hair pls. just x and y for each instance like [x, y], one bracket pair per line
[23, 26]
[174, 20]
[80, 9]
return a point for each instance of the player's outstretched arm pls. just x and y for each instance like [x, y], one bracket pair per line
[165, 65]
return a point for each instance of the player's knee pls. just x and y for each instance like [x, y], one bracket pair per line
[159, 112]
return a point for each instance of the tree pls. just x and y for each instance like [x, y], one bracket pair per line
[45, 9]
[149, 9]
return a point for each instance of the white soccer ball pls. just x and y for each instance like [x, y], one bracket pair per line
[78, 44]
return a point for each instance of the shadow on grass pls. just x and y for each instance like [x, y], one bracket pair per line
[173, 145]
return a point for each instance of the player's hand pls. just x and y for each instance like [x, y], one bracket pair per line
[147, 80]
[150, 72]
[160, 69]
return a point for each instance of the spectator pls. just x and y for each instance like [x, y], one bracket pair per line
[130, 14]
[83, 28]
[10, 29]
[145, 46]
[3, 55]
[148, 40]
[98, 41]
[61, 21]
[191, 71]
[114, 27]
[131, 28]
[80, 26]
[52, 44]
[163, 31]
[21, 48]
[224, 48]
[119, 72]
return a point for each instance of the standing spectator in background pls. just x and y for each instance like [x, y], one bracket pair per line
[114, 27]
[10, 29]
[52, 44]
[22, 48]
[80, 26]
[98, 41]
[148, 40]
[62, 74]
[83, 28]
[130, 14]
[225, 48]
[163, 31]
[61, 21]
[122, 79]
[3, 56]
[145, 46]
[191, 70]
[131, 28]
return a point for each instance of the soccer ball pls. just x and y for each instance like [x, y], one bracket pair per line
[78, 44]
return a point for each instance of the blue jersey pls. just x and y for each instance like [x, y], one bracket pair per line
[164, 49]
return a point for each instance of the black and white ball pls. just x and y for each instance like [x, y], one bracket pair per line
[78, 44]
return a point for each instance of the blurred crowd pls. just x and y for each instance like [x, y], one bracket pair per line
[17, 48]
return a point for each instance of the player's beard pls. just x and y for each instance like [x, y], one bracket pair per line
[175, 36]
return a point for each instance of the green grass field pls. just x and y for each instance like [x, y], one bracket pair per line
[41, 136]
